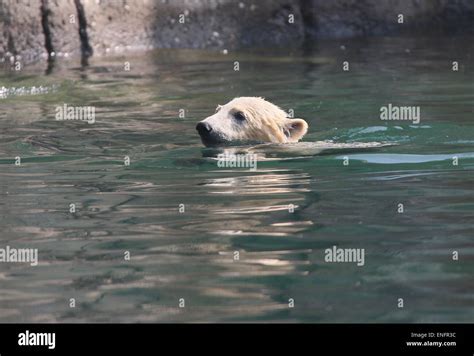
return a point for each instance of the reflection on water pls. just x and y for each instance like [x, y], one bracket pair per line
[237, 244]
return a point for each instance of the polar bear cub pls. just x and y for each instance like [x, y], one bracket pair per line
[250, 119]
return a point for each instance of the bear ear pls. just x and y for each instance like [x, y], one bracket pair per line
[295, 129]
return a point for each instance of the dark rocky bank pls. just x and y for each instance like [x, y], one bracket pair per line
[33, 29]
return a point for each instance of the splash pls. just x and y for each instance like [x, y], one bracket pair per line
[6, 92]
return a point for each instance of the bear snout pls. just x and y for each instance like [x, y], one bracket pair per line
[203, 128]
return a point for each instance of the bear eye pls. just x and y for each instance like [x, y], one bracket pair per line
[239, 116]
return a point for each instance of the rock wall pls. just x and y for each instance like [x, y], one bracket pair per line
[191, 24]
[33, 28]
[21, 31]
[350, 18]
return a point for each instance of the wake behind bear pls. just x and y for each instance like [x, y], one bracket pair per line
[253, 120]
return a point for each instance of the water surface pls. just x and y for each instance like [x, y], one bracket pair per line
[190, 255]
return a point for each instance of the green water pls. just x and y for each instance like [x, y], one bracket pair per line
[190, 255]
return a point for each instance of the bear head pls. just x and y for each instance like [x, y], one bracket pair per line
[250, 119]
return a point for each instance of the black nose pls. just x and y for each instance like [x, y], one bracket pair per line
[203, 128]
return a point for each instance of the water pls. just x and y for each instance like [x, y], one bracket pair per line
[190, 255]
